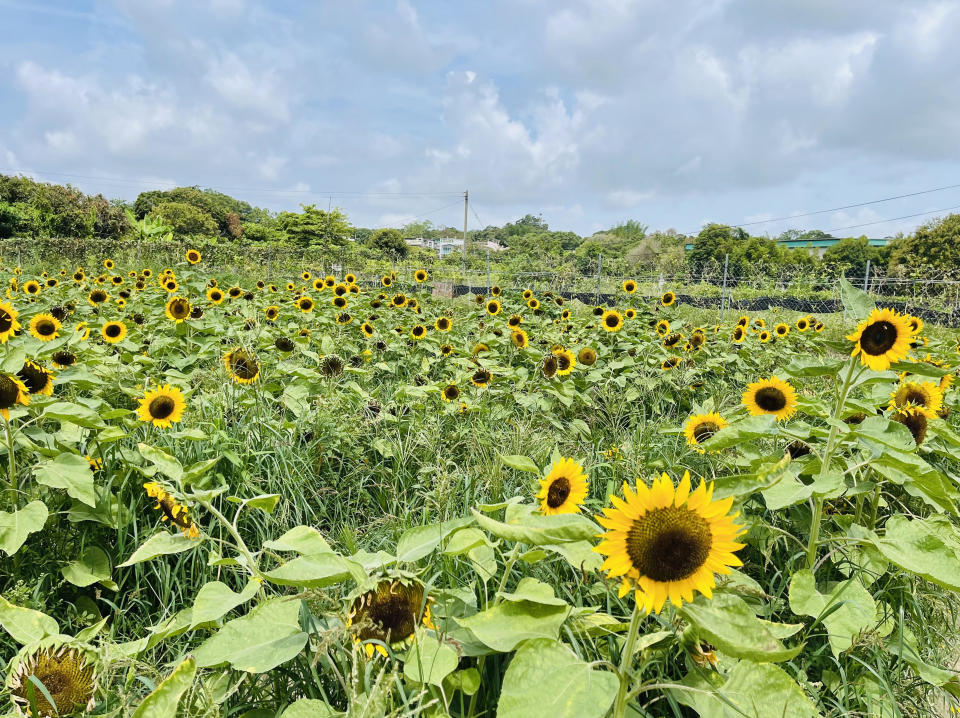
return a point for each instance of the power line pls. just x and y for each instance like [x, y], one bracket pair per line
[893, 219]
[252, 190]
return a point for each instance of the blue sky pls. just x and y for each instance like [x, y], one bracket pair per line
[589, 113]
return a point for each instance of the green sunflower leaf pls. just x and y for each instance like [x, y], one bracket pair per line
[17, 525]
[24, 624]
[163, 701]
[70, 472]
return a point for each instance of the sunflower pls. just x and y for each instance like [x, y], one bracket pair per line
[66, 674]
[173, 511]
[671, 340]
[882, 339]
[241, 365]
[443, 324]
[413, 304]
[331, 366]
[113, 332]
[781, 330]
[63, 359]
[514, 321]
[116, 280]
[925, 396]
[193, 256]
[665, 542]
[79, 276]
[305, 304]
[446, 350]
[451, 392]
[97, 297]
[670, 363]
[663, 328]
[493, 307]
[739, 334]
[215, 295]
[178, 309]
[339, 302]
[147, 272]
[418, 332]
[803, 323]
[236, 291]
[12, 392]
[272, 312]
[915, 324]
[367, 329]
[388, 615]
[170, 285]
[108, 263]
[701, 427]
[31, 287]
[612, 320]
[563, 489]
[162, 406]
[629, 314]
[318, 284]
[668, 298]
[481, 378]
[9, 325]
[771, 396]
[398, 300]
[587, 356]
[533, 303]
[566, 361]
[386, 280]
[764, 336]
[340, 289]
[44, 327]
[519, 338]
[420, 275]
[629, 286]
[37, 378]
[527, 294]
[915, 419]
[350, 278]
[305, 275]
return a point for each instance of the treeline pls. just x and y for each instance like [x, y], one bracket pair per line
[205, 216]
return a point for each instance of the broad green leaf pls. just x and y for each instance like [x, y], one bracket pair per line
[752, 427]
[313, 571]
[545, 679]
[92, 566]
[16, 526]
[302, 539]
[579, 554]
[215, 600]
[160, 544]
[309, 708]
[168, 465]
[71, 413]
[520, 463]
[530, 589]
[24, 624]
[924, 547]
[904, 645]
[264, 502]
[263, 639]
[752, 690]
[420, 541]
[462, 540]
[505, 625]
[196, 471]
[538, 530]
[430, 660]
[856, 301]
[70, 472]
[849, 607]
[729, 623]
[805, 366]
[163, 701]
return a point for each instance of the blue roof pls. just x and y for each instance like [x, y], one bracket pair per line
[819, 243]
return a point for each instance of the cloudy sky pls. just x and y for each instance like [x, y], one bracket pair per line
[589, 113]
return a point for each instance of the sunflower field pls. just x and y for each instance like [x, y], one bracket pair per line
[306, 496]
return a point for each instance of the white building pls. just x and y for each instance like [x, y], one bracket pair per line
[445, 246]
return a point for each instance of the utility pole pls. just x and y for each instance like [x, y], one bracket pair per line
[466, 204]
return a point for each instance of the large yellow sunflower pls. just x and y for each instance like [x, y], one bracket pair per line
[612, 320]
[701, 427]
[113, 332]
[771, 396]
[12, 392]
[8, 322]
[563, 489]
[37, 378]
[178, 309]
[242, 366]
[664, 542]
[44, 327]
[162, 406]
[882, 339]
[925, 396]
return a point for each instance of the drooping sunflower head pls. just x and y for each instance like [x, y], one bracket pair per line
[665, 542]
[670, 363]
[882, 339]
[64, 358]
[388, 615]
[37, 378]
[587, 356]
[564, 488]
[443, 324]
[172, 510]
[242, 366]
[12, 392]
[701, 427]
[514, 321]
[284, 344]
[67, 674]
[162, 406]
[612, 320]
[915, 419]
[331, 366]
[771, 396]
[451, 392]
[668, 298]
[629, 286]
[549, 365]
[178, 309]
[925, 396]
[481, 378]
[8, 322]
[672, 339]
[113, 332]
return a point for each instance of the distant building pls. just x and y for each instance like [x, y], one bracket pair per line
[821, 245]
[445, 246]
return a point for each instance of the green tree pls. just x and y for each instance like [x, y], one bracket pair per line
[851, 255]
[184, 219]
[712, 243]
[388, 241]
[935, 245]
[315, 227]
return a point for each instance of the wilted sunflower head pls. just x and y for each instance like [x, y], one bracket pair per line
[331, 365]
[388, 615]
[882, 339]
[481, 377]
[37, 378]
[563, 489]
[587, 356]
[66, 673]
[12, 392]
[915, 419]
[172, 510]
[670, 363]
[284, 344]
[64, 358]
[772, 396]
[549, 365]
[671, 340]
[241, 365]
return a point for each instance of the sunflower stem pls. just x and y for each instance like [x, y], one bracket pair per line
[874, 505]
[626, 658]
[12, 466]
[817, 515]
[240, 543]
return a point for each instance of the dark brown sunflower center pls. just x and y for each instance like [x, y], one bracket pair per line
[916, 422]
[9, 391]
[112, 330]
[612, 320]
[443, 323]
[878, 338]
[45, 327]
[482, 376]
[549, 366]
[769, 398]
[451, 392]
[244, 366]
[64, 358]
[669, 544]
[558, 492]
[55, 681]
[704, 431]
[738, 333]
[180, 309]
[563, 362]
[388, 615]
[913, 396]
[33, 376]
[6, 321]
[162, 407]
[417, 331]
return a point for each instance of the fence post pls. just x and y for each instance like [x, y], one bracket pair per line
[488, 270]
[723, 290]
[866, 276]
[596, 298]
[466, 279]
